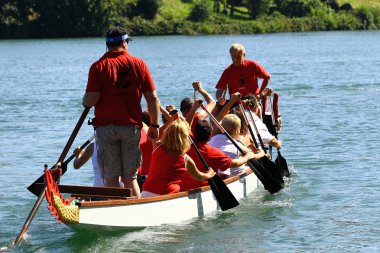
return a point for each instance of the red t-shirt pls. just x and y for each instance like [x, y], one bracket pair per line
[165, 172]
[214, 157]
[146, 150]
[192, 127]
[242, 79]
[121, 79]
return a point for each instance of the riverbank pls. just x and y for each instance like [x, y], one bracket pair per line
[55, 19]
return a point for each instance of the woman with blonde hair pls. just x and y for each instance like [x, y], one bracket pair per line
[169, 161]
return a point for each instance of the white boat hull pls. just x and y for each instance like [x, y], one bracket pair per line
[155, 211]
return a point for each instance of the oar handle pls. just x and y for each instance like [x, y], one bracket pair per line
[257, 130]
[223, 130]
[247, 123]
[31, 215]
[73, 134]
[32, 186]
[60, 159]
[225, 92]
[198, 153]
[252, 161]
[64, 165]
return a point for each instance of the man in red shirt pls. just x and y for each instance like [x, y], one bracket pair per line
[241, 76]
[115, 86]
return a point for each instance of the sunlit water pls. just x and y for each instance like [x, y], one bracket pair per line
[329, 84]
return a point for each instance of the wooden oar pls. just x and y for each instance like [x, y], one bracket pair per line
[60, 159]
[41, 179]
[280, 160]
[222, 193]
[262, 174]
[268, 164]
[225, 92]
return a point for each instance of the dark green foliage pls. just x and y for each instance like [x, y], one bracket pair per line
[333, 4]
[201, 11]
[258, 7]
[14, 17]
[295, 8]
[66, 18]
[88, 18]
[148, 8]
[367, 18]
[346, 7]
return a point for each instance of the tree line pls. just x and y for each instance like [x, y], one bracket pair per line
[91, 18]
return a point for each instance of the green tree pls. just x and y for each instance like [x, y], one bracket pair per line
[201, 11]
[77, 18]
[296, 8]
[258, 7]
[148, 8]
[14, 17]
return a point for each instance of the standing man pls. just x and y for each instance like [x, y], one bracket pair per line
[241, 76]
[116, 83]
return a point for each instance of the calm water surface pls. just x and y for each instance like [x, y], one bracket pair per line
[329, 84]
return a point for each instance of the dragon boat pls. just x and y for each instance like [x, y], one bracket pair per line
[106, 208]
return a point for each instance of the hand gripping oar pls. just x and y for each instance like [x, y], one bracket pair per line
[268, 164]
[222, 193]
[41, 179]
[280, 160]
[264, 176]
[60, 159]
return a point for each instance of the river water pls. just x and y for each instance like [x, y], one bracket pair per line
[329, 84]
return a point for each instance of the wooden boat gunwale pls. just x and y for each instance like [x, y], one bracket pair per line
[132, 213]
[116, 202]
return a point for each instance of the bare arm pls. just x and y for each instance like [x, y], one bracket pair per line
[90, 99]
[234, 98]
[81, 157]
[195, 173]
[241, 160]
[264, 84]
[164, 112]
[191, 113]
[154, 111]
[210, 102]
[156, 142]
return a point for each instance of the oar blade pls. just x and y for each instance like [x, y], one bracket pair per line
[282, 165]
[265, 177]
[32, 187]
[222, 193]
[272, 168]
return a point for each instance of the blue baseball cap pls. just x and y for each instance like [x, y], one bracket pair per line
[117, 34]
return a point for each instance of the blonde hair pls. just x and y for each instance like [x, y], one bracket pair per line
[176, 137]
[237, 47]
[231, 123]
